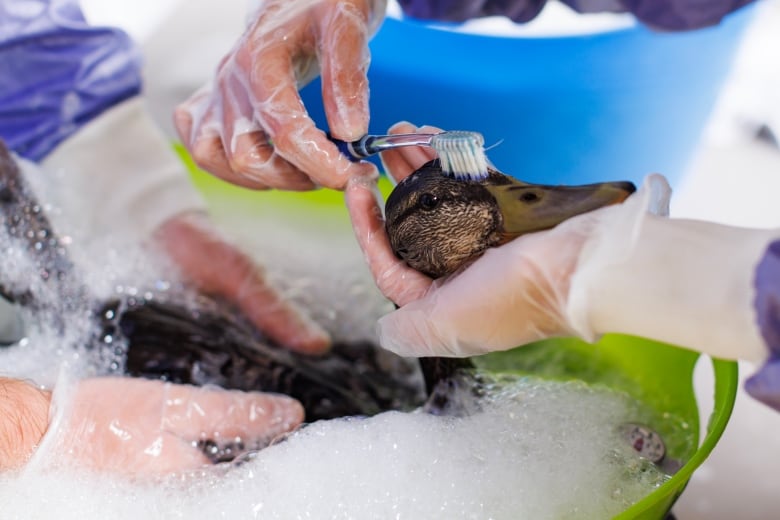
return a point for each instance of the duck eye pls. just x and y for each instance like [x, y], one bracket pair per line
[529, 196]
[429, 201]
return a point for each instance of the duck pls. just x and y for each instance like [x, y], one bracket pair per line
[438, 224]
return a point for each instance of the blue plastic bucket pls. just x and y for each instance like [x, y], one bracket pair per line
[572, 109]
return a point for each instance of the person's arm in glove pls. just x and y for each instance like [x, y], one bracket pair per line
[133, 426]
[138, 188]
[620, 269]
[669, 15]
[250, 127]
[73, 106]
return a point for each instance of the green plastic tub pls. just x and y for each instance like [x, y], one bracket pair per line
[658, 375]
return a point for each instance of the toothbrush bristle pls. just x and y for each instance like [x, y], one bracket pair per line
[461, 154]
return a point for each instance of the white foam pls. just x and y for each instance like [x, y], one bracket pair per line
[538, 450]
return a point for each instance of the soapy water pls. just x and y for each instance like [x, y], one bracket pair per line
[537, 449]
[522, 448]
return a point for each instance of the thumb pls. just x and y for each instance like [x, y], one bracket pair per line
[409, 333]
[440, 324]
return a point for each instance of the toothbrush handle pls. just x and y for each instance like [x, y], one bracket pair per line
[369, 145]
[355, 151]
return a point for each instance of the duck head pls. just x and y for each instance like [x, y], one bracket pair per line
[437, 224]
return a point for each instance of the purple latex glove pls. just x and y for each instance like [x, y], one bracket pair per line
[671, 15]
[61, 71]
[764, 385]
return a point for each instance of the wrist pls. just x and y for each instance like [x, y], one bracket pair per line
[24, 418]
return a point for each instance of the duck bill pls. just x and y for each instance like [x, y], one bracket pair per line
[526, 208]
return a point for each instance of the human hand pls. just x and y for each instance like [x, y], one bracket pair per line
[217, 267]
[512, 295]
[136, 426]
[137, 189]
[250, 126]
[397, 281]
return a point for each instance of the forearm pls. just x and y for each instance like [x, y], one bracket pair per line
[666, 14]
[684, 282]
[58, 73]
[24, 417]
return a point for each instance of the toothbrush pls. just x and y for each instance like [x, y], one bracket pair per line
[461, 153]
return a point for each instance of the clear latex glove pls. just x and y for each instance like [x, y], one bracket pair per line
[135, 186]
[622, 268]
[217, 267]
[137, 426]
[397, 281]
[250, 126]
[685, 282]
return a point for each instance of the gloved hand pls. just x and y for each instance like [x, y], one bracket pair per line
[136, 187]
[250, 126]
[133, 426]
[622, 268]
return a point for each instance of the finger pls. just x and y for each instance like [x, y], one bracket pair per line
[446, 321]
[408, 332]
[248, 149]
[416, 156]
[282, 114]
[204, 140]
[281, 319]
[395, 161]
[397, 281]
[401, 162]
[186, 113]
[345, 59]
[196, 413]
[170, 454]
[255, 159]
[182, 121]
[217, 267]
[114, 423]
